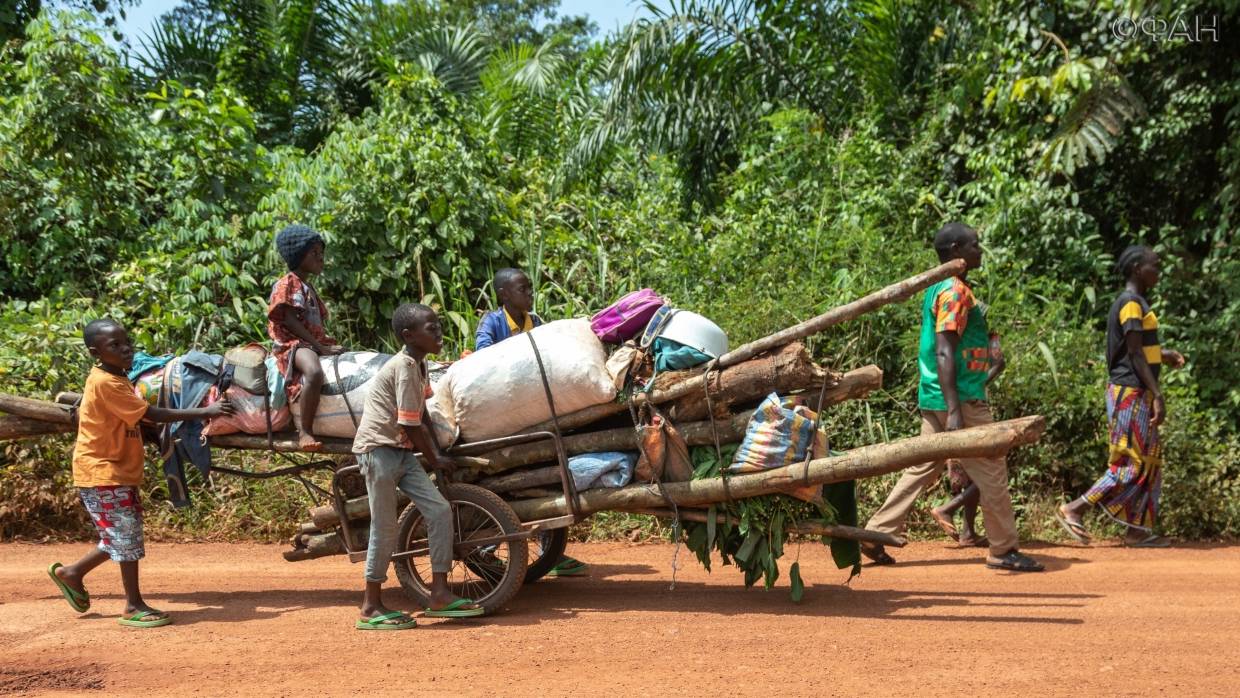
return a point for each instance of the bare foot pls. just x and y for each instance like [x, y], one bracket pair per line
[945, 522]
[1074, 524]
[307, 442]
[73, 581]
[970, 539]
[369, 612]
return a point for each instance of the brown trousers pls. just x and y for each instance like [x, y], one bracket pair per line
[989, 474]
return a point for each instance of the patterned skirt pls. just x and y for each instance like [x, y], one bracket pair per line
[1129, 490]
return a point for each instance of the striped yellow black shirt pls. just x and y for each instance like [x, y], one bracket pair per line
[1131, 313]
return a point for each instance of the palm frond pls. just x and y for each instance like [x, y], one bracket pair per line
[1093, 125]
[188, 54]
[456, 56]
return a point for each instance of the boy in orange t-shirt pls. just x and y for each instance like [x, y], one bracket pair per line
[107, 470]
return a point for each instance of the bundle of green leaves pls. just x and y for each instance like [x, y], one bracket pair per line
[753, 534]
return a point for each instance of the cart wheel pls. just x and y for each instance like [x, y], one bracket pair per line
[546, 549]
[490, 574]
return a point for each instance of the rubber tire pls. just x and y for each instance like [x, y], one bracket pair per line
[518, 551]
[557, 541]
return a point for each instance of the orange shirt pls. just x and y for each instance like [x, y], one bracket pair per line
[109, 447]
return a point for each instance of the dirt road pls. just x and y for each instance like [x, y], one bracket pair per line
[1101, 621]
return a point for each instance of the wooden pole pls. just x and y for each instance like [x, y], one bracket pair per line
[805, 528]
[35, 409]
[280, 442]
[25, 427]
[867, 461]
[891, 294]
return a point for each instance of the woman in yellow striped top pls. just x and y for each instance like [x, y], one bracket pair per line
[1128, 492]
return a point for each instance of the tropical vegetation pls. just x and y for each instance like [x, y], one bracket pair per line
[756, 161]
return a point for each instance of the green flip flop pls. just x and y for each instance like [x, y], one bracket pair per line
[135, 621]
[569, 567]
[454, 610]
[385, 622]
[78, 600]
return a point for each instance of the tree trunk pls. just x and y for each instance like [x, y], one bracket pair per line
[35, 409]
[25, 427]
[309, 547]
[790, 368]
[749, 382]
[867, 461]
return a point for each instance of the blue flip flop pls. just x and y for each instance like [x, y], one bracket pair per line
[454, 610]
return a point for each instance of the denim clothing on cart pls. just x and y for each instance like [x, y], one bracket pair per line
[192, 376]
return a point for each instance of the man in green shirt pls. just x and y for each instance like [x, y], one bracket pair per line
[954, 363]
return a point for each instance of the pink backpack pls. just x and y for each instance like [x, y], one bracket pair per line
[625, 318]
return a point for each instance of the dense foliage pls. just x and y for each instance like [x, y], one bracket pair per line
[758, 162]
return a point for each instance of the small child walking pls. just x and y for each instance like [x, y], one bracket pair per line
[107, 470]
[392, 432]
[295, 317]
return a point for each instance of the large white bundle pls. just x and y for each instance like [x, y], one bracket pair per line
[356, 368]
[498, 391]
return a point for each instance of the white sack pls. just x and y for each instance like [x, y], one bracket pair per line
[356, 369]
[497, 391]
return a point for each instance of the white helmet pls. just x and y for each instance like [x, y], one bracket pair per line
[693, 330]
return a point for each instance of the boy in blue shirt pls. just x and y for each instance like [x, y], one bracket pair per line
[516, 299]
[515, 316]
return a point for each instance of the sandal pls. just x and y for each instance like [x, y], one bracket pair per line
[1014, 561]
[456, 610]
[569, 567]
[78, 600]
[1074, 529]
[136, 620]
[392, 620]
[877, 554]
